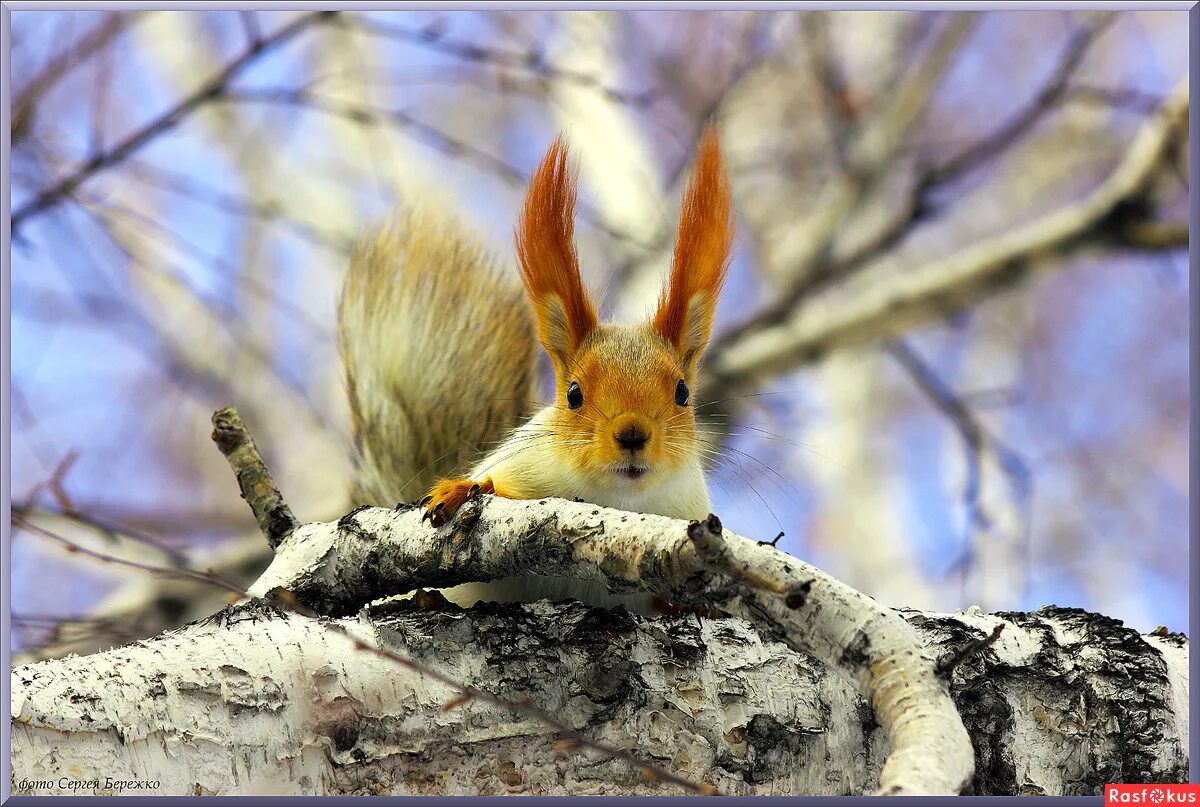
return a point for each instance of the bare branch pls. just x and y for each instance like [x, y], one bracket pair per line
[867, 307]
[838, 115]
[253, 31]
[977, 442]
[1051, 93]
[211, 89]
[177, 572]
[111, 532]
[95, 41]
[148, 604]
[868, 155]
[447, 144]
[274, 517]
[529, 60]
[334, 568]
[919, 207]
[267, 210]
[367, 116]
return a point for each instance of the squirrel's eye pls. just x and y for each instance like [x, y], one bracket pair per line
[681, 394]
[574, 395]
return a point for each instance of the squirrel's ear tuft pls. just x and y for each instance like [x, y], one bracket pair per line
[545, 237]
[686, 307]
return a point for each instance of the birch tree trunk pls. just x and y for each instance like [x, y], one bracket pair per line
[260, 699]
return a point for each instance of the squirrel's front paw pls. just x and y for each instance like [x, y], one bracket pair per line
[444, 499]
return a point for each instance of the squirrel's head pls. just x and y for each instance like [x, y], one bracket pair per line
[624, 409]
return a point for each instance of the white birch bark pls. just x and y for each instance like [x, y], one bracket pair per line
[373, 552]
[271, 682]
[255, 700]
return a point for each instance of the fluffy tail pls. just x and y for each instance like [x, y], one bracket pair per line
[438, 346]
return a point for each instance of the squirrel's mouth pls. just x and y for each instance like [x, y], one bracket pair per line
[631, 472]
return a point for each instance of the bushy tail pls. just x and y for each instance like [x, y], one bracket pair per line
[438, 346]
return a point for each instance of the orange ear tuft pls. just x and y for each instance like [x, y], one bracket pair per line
[545, 238]
[686, 307]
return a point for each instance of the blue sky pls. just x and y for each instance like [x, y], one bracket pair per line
[92, 384]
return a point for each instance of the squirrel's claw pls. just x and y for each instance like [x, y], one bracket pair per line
[447, 496]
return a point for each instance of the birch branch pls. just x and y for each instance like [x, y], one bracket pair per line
[254, 700]
[869, 154]
[876, 304]
[919, 206]
[274, 517]
[373, 552]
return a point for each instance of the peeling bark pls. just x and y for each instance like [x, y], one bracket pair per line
[373, 552]
[1073, 698]
[257, 700]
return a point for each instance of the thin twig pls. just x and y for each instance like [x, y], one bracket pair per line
[274, 517]
[838, 114]
[96, 40]
[177, 572]
[211, 89]
[269, 210]
[707, 537]
[110, 531]
[250, 26]
[977, 442]
[1052, 92]
[444, 142]
[774, 542]
[531, 60]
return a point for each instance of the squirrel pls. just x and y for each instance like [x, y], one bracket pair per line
[438, 347]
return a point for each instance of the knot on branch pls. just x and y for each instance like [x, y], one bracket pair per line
[706, 537]
[798, 595]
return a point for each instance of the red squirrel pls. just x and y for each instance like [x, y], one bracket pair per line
[439, 352]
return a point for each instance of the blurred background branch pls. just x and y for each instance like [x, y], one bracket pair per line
[950, 364]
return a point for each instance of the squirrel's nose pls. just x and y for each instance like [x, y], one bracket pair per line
[631, 438]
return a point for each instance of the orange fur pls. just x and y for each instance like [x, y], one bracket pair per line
[628, 378]
[444, 499]
[545, 240]
[685, 310]
[628, 374]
